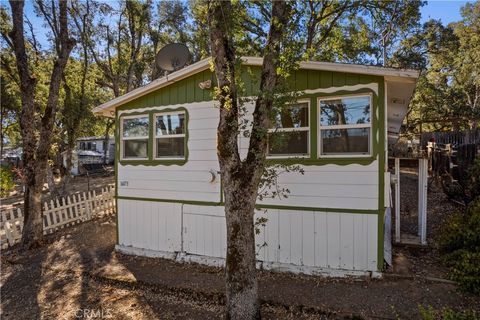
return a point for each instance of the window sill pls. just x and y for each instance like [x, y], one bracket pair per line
[154, 162]
[322, 161]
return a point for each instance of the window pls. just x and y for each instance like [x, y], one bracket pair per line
[135, 137]
[289, 132]
[345, 127]
[170, 135]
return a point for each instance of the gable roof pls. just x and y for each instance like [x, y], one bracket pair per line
[397, 75]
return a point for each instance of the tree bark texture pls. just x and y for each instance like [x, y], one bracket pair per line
[241, 178]
[35, 152]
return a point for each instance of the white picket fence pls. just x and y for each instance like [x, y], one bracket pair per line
[58, 214]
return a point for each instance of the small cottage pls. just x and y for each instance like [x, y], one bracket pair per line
[169, 193]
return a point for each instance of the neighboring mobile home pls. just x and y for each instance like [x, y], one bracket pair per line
[169, 192]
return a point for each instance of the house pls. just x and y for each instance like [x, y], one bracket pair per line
[169, 192]
[97, 145]
[90, 150]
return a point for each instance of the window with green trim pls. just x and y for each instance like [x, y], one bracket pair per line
[170, 135]
[134, 137]
[289, 134]
[345, 125]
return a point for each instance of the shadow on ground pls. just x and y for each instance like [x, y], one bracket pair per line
[78, 275]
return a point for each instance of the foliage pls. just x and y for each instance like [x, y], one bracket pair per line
[473, 181]
[7, 183]
[460, 244]
[448, 91]
[428, 313]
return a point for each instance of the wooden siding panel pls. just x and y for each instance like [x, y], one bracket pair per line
[316, 239]
[296, 237]
[338, 79]
[360, 242]
[149, 225]
[308, 238]
[333, 249]
[321, 240]
[313, 79]
[301, 79]
[326, 79]
[347, 233]
[284, 239]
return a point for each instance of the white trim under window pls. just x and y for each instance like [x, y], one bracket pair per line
[128, 139]
[293, 129]
[348, 126]
[170, 135]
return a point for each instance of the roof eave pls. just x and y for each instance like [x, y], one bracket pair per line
[400, 75]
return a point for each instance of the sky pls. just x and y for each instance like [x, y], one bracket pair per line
[445, 10]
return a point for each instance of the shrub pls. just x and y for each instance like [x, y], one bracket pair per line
[428, 313]
[7, 182]
[460, 244]
[473, 182]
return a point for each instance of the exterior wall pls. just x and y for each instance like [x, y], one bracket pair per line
[150, 225]
[190, 181]
[333, 217]
[334, 240]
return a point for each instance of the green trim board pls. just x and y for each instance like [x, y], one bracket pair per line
[381, 178]
[117, 152]
[258, 206]
[152, 161]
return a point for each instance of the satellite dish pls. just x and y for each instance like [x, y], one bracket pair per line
[172, 57]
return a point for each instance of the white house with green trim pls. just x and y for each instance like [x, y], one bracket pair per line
[169, 192]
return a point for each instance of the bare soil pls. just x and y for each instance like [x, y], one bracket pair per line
[78, 272]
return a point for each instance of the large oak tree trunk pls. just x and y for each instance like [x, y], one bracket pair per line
[35, 152]
[240, 179]
[241, 280]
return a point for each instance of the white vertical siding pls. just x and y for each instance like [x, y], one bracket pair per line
[150, 225]
[303, 238]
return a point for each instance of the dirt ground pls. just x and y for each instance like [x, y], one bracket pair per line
[78, 275]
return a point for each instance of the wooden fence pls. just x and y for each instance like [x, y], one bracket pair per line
[59, 213]
[455, 138]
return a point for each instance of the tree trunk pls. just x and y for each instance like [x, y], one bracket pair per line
[68, 168]
[240, 179]
[32, 214]
[241, 279]
[35, 152]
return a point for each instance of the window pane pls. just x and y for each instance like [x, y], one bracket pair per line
[345, 141]
[135, 148]
[171, 147]
[346, 110]
[288, 143]
[136, 127]
[170, 124]
[294, 116]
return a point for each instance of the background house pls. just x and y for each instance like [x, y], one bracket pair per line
[90, 150]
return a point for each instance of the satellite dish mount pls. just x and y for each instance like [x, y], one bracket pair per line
[172, 57]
